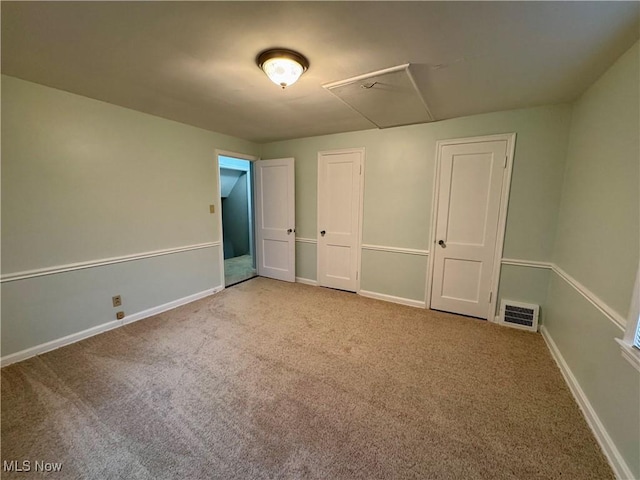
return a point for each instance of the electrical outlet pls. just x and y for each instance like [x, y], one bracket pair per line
[120, 315]
[117, 301]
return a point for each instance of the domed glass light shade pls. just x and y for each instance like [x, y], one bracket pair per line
[283, 67]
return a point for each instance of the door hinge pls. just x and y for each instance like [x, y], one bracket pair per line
[356, 275]
[360, 169]
[490, 296]
[506, 158]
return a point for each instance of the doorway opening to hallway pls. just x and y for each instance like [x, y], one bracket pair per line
[236, 186]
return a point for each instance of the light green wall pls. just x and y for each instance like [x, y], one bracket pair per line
[42, 309]
[398, 190]
[585, 340]
[83, 180]
[524, 284]
[395, 274]
[306, 262]
[598, 235]
[598, 244]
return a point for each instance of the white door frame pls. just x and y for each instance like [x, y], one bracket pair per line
[510, 138]
[218, 203]
[360, 210]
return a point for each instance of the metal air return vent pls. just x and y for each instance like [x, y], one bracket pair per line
[519, 315]
[387, 98]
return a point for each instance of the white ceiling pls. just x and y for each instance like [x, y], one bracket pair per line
[194, 62]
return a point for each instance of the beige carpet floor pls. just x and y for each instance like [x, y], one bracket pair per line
[271, 380]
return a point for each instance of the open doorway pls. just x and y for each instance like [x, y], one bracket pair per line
[237, 219]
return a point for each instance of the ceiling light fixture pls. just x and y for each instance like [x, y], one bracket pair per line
[282, 66]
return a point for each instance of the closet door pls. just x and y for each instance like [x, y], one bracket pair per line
[470, 184]
[339, 218]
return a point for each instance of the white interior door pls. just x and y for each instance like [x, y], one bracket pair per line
[339, 213]
[275, 219]
[470, 187]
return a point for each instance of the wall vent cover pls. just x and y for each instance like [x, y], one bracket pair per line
[519, 315]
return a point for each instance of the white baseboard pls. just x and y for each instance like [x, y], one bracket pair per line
[390, 298]
[170, 306]
[378, 296]
[90, 332]
[619, 466]
[60, 342]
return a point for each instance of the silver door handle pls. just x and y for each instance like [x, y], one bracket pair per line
[442, 244]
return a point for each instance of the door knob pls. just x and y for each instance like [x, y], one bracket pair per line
[442, 244]
[322, 232]
[289, 231]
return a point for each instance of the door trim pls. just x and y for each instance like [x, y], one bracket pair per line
[510, 138]
[360, 210]
[218, 202]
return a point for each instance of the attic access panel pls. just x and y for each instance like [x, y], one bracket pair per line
[387, 98]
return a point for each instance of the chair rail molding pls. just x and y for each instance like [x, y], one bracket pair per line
[384, 248]
[11, 277]
[617, 319]
[526, 263]
[306, 240]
